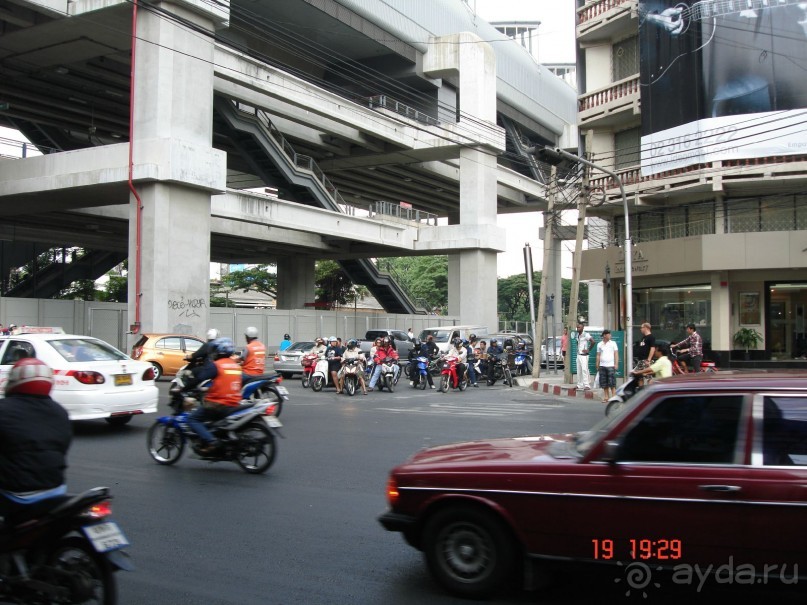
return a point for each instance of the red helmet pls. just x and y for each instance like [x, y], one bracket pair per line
[29, 376]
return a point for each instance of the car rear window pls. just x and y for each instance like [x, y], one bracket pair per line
[84, 349]
[300, 346]
[439, 335]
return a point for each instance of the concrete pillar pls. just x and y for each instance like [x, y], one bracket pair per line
[173, 130]
[721, 315]
[295, 282]
[472, 283]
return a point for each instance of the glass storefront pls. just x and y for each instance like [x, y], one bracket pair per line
[786, 320]
[670, 309]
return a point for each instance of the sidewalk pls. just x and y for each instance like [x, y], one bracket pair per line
[553, 384]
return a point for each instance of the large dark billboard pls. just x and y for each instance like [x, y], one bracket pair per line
[721, 79]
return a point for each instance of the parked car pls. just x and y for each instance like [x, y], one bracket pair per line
[706, 469]
[288, 362]
[555, 355]
[444, 335]
[165, 352]
[92, 379]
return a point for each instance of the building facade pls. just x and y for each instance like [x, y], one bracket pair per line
[695, 108]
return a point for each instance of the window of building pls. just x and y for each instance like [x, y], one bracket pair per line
[743, 215]
[670, 309]
[675, 222]
[626, 147]
[801, 211]
[777, 214]
[701, 219]
[625, 58]
[651, 227]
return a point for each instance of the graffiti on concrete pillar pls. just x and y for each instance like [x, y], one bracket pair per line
[187, 307]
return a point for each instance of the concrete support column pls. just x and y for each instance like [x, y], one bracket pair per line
[295, 282]
[721, 313]
[173, 129]
[472, 283]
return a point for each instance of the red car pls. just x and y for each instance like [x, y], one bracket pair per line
[706, 469]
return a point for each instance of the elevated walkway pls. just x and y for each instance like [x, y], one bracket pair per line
[272, 157]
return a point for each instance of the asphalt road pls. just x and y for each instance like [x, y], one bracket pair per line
[306, 531]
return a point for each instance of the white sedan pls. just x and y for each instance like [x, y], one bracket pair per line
[92, 379]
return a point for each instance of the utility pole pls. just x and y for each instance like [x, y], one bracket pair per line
[549, 227]
[574, 295]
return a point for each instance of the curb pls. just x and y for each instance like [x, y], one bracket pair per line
[558, 389]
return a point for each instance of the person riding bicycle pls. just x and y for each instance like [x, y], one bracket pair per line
[693, 354]
[222, 396]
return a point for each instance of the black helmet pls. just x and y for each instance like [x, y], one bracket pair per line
[286, 337]
[472, 337]
[352, 343]
[493, 341]
[457, 342]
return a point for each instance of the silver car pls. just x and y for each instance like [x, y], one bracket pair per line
[289, 361]
[555, 356]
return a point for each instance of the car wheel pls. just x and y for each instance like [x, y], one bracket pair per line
[119, 420]
[158, 370]
[468, 551]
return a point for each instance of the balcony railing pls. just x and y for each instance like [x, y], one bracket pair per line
[617, 90]
[593, 10]
[385, 102]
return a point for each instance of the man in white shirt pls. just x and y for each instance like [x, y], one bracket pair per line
[584, 344]
[606, 364]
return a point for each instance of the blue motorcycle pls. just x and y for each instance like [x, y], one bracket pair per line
[522, 363]
[246, 435]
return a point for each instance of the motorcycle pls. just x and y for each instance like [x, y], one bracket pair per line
[501, 369]
[263, 387]
[321, 377]
[246, 434]
[419, 380]
[627, 390]
[62, 549]
[350, 376]
[523, 363]
[450, 377]
[390, 373]
[308, 361]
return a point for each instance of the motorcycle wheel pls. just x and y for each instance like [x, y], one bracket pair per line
[508, 377]
[445, 379]
[463, 383]
[89, 575]
[317, 382]
[614, 407]
[165, 443]
[256, 448]
[306, 380]
[406, 370]
[389, 382]
[350, 385]
[263, 394]
[498, 373]
[422, 382]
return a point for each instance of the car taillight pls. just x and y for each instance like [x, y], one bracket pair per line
[148, 374]
[137, 352]
[392, 492]
[277, 357]
[98, 511]
[85, 377]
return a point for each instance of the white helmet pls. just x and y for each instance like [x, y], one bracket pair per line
[251, 332]
[212, 334]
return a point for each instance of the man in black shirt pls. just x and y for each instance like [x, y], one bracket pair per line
[35, 434]
[647, 346]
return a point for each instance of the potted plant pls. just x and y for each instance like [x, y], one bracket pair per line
[747, 338]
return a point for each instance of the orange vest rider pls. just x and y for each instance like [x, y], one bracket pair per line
[226, 387]
[255, 359]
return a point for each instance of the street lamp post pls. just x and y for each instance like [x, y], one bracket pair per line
[554, 156]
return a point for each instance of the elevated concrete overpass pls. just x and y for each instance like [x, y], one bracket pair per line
[389, 126]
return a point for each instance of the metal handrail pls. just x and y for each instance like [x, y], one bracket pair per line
[385, 102]
[383, 208]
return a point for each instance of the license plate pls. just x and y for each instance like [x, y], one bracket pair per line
[122, 380]
[105, 536]
[272, 422]
[282, 390]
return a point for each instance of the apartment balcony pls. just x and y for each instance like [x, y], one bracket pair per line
[616, 104]
[727, 178]
[605, 19]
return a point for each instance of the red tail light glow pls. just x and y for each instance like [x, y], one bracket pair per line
[277, 357]
[279, 379]
[149, 374]
[392, 492]
[98, 511]
[87, 377]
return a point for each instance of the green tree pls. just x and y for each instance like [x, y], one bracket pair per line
[81, 289]
[332, 285]
[258, 278]
[513, 296]
[424, 278]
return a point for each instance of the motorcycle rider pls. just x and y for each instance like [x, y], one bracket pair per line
[223, 395]
[202, 354]
[35, 434]
[386, 350]
[334, 356]
[253, 358]
[493, 352]
[414, 352]
[320, 348]
[285, 343]
[352, 352]
[471, 358]
[461, 353]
